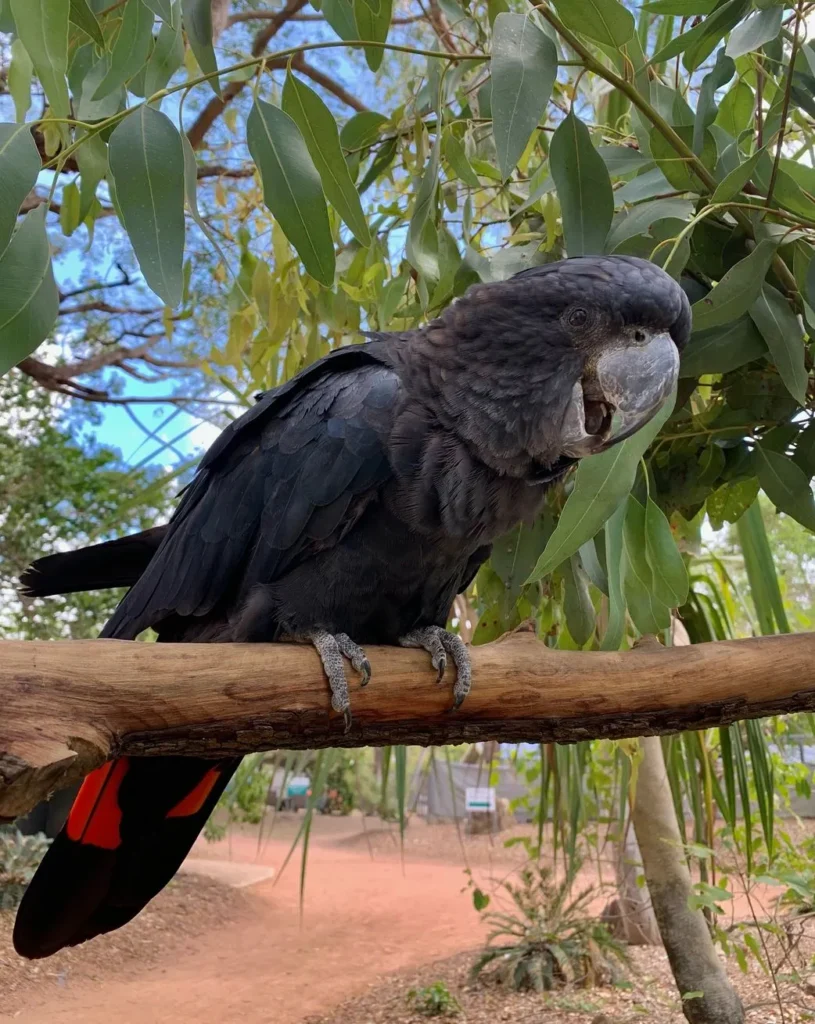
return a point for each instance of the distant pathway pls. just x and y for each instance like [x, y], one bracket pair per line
[363, 918]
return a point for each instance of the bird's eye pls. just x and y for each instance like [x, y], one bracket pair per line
[578, 317]
[639, 336]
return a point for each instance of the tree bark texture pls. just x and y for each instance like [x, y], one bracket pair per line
[695, 964]
[66, 706]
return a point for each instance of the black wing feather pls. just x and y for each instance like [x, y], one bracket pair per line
[253, 511]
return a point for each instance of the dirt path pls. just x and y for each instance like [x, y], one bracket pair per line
[363, 918]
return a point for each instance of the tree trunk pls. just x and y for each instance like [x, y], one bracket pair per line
[695, 964]
[630, 915]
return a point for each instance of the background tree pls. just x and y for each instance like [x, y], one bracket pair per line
[199, 201]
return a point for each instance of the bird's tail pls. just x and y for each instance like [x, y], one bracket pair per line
[132, 824]
[116, 563]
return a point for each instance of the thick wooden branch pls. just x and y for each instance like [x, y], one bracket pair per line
[69, 705]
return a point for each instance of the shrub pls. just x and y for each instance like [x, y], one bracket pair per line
[19, 858]
[434, 1000]
[548, 939]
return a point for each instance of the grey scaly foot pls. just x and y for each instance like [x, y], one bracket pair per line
[332, 649]
[439, 643]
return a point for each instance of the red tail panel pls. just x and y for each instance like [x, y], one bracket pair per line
[95, 817]
[196, 798]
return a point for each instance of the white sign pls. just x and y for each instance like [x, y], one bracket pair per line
[480, 798]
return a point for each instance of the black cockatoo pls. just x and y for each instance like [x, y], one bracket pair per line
[349, 507]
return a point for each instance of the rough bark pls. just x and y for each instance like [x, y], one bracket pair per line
[69, 705]
[695, 964]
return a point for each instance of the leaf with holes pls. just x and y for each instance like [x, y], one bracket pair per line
[28, 293]
[523, 69]
[291, 187]
[147, 167]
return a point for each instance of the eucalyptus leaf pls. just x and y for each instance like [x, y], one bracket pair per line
[130, 49]
[19, 166]
[147, 166]
[786, 485]
[649, 613]
[670, 577]
[166, 58]
[723, 348]
[605, 21]
[291, 187]
[757, 30]
[583, 188]
[615, 629]
[782, 331]
[577, 606]
[737, 290]
[197, 15]
[601, 483]
[83, 17]
[29, 300]
[362, 129]
[373, 27]
[43, 27]
[19, 79]
[523, 69]
[322, 138]
[735, 181]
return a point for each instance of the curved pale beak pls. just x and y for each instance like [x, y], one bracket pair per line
[627, 385]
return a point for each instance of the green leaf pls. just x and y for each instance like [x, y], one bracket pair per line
[721, 349]
[85, 74]
[577, 606]
[291, 187]
[706, 108]
[601, 483]
[69, 210]
[728, 503]
[28, 293]
[130, 49]
[698, 43]
[753, 33]
[322, 139]
[480, 900]
[736, 109]
[373, 27]
[615, 630]
[43, 27]
[340, 16]
[83, 17]
[647, 611]
[605, 21]
[523, 69]
[19, 166]
[147, 166]
[92, 159]
[583, 188]
[642, 218]
[675, 167]
[390, 297]
[457, 159]
[737, 290]
[164, 9]
[362, 129]
[735, 181]
[19, 79]
[781, 329]
[684, 8]
[786, 485]
[166, 58]
[765, 591]
[197, 15]
[667, 565]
